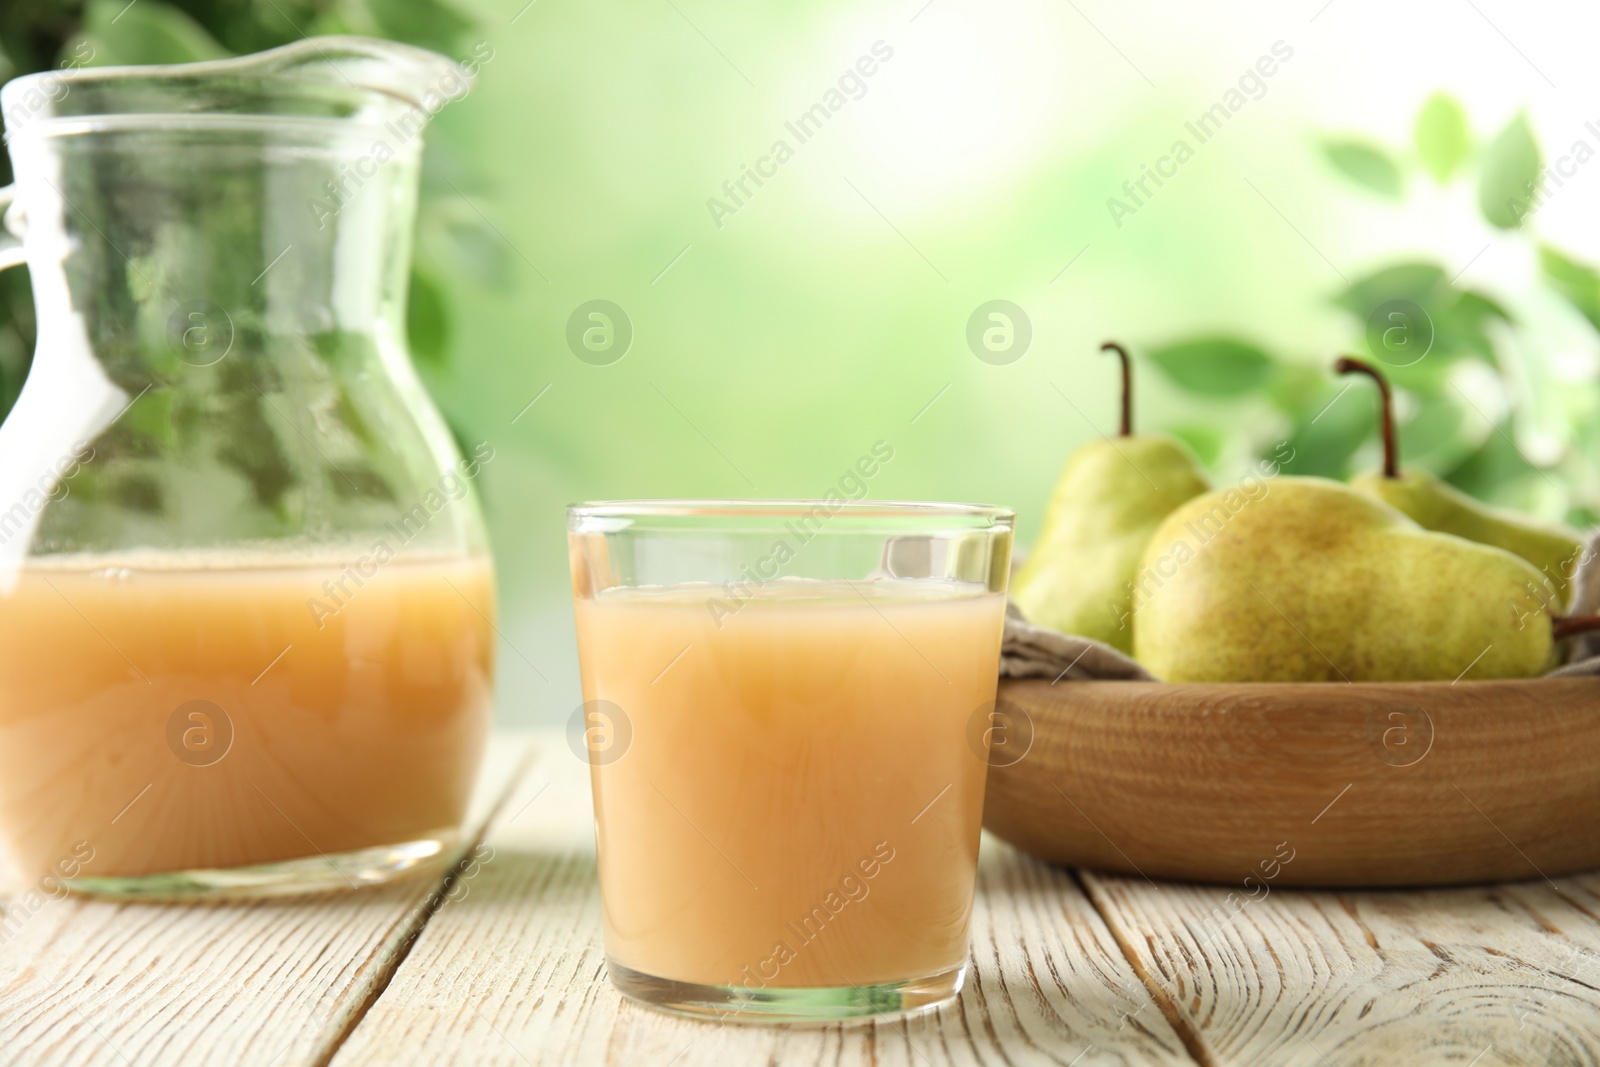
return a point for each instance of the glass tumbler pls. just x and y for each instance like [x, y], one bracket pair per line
[780, 701]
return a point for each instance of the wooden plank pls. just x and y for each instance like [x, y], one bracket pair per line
[266, 983]
[1500, 974]
[512, 971]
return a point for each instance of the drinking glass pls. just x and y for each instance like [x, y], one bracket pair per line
[245, 596]
[786, 712]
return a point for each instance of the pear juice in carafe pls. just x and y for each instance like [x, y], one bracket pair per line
[246, 601]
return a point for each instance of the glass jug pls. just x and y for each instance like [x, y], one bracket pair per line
[246, 602]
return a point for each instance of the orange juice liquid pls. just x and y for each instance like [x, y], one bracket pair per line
[798, 805]
[162, 714]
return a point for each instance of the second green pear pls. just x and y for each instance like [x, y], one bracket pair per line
[1111, 496]
[1307, 580]
[1436, 505]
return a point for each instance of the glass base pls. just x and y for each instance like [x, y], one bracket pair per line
[788, 1005]
[339, 872]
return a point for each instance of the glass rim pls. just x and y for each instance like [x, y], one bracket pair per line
[777, 510]
[67, 126]
[374, 69]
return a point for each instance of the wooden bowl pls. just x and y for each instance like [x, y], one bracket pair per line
[1366, 784]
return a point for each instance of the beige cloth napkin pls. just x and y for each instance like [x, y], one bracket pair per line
[1583, 653]
[1031, 651]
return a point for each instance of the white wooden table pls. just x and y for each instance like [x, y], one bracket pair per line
[503, 964]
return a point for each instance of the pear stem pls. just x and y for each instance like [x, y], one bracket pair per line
[1564, 626]
[1391, 451]
[1127, 385]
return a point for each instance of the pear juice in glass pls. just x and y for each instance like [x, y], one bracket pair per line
[778, 709]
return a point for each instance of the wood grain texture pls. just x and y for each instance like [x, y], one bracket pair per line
[1495, 975]
[513, 972]
[1422, 783]
[280, 983]
[504, 964]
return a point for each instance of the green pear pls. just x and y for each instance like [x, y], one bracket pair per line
[1551, 547]
[1307, 580]
[1112, 494]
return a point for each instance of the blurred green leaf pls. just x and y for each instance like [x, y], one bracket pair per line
[1296, 386]
[466, 444]
[151, 419]
[1510, 171]
[480, 251]
[1215, 366]
[1206, 441]
[14, 360]
[1418, 282]
[1459, 323]
[1579, 284]
[424, 23]
[1455, 318]
[254, 448]
[136, 491]
[38, 34]
[427, 321]
[149, 31]
[453, 236]
[1440, 434]
[1328, 432]
[1365, 164]
[1442, 136]
[17, 332]
[1494, 470]
[1482, 307]
[1426, 377]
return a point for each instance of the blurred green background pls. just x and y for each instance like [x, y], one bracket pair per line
[1239, 194]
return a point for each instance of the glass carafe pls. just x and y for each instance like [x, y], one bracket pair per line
[246, 602]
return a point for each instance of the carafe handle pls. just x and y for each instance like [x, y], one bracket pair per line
[11, 251]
